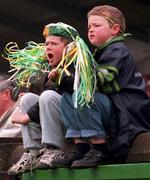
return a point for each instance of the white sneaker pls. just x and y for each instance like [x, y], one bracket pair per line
[26, 163]
[46, 159]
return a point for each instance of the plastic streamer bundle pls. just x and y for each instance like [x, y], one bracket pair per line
[28, 63]
[78, 53]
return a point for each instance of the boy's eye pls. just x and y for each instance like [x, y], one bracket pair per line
[97, 25]
[89, 27]
[54, 43]
[46, 43]
[94, 25]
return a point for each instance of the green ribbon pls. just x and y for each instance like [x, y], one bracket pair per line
[119, 38]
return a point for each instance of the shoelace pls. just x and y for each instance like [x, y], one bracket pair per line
[47, 154]
[23, 159]
[31, 167]
[51, 153]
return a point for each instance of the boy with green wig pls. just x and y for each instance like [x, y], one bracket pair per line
[72, 69]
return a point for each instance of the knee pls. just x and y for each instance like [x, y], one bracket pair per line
[27, 101]
[49, 96]
[28, 98]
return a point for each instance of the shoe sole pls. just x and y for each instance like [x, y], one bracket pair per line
[43, 166]
[94, 165]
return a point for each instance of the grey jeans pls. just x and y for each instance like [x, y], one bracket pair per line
[51, 129]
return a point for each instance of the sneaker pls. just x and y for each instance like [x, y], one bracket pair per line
[92, 159]
[25, 164]
[46, 159]
[66, 160]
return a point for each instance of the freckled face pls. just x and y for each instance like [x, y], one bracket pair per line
[54, 49]
[99, 30]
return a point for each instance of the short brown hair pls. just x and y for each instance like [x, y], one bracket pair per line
[112, 14]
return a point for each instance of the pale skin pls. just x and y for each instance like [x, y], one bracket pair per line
[54, 50]
[5, 101]
[100, 31]
[18, 117]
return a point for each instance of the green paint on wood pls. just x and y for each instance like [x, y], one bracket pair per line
[138, 171]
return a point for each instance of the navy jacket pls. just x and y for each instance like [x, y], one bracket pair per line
[119, 78]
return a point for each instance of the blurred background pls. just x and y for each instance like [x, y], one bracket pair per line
[23, 20]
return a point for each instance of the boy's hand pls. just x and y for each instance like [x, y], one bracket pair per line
[19, 118]
[53, 74]
[21, 94]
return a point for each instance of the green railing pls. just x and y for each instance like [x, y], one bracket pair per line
[138, 171]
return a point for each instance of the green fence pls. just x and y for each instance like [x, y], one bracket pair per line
[138, 171]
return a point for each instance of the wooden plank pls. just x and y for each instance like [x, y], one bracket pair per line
[138, 171]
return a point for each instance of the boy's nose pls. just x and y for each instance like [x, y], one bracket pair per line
[48, 48]
[90, 29]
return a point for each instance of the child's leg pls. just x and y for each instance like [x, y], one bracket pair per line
[82, 145]
[31, 134]
[81, 148]
[88, 123]
[53, 129]
[52, 126]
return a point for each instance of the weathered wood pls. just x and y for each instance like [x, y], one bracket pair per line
[140, 149]
[11, 150]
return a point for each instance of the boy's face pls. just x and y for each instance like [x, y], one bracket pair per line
[99, 30]
[5, 99]
[54, 49]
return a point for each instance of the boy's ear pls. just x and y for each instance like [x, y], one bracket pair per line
[116, 29]
[7, 93]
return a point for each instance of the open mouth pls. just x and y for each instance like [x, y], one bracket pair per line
[50, 55]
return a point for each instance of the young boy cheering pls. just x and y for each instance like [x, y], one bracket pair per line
[40, 116]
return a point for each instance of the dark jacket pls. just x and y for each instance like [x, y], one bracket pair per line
[121, 80]
[66, 85]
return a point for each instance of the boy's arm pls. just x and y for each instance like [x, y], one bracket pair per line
[31, 116]
[56, 74]
[108, 69]
[107, 80]
[62, 81]
[33, 113]
[106, 74]
[19, 118]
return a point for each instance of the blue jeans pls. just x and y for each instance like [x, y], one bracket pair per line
[86, 122]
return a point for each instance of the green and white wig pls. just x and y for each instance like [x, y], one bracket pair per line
[78, 53]
[27, 64]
